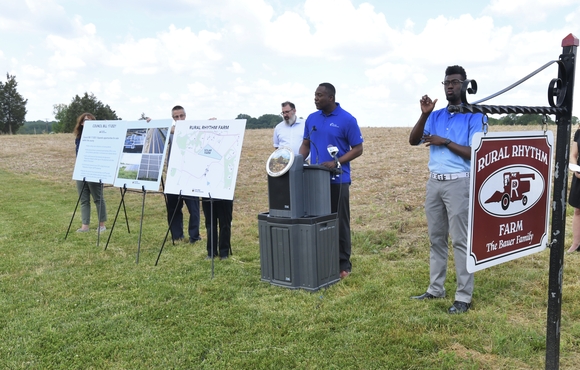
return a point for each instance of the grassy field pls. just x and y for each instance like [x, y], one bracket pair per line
[71, 304]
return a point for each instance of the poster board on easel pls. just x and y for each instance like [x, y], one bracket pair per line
[204, 160]
[205, 156]
[127, 154]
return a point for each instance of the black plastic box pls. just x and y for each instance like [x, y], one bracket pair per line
[299, 253]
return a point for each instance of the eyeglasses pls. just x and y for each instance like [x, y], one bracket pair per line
[452, 83]
[286, 111]
[179, 116]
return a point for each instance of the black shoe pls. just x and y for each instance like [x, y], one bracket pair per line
[192, 241]
[459, 307]
[425, 295]
[224, 257]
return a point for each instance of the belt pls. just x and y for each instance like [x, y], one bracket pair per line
[448, 176]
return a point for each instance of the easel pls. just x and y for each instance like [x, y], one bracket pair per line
[210, 235]
[179, 199]
[85, 186]
[122, 202]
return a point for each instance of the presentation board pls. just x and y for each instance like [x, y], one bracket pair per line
[204, 159]
[123, 153]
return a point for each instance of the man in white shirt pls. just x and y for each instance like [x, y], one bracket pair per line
[290, 132]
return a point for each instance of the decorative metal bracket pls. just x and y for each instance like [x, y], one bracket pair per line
[556, 89]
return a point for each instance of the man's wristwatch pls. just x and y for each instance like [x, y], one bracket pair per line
[447, 142]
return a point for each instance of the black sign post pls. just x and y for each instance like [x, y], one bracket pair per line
[560, 99]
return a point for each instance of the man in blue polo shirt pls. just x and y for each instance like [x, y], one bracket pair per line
[332, 126]
[448, 136]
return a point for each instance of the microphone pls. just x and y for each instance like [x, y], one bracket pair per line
[333, 151]
[312, 142]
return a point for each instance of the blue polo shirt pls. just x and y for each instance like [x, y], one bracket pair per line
[457, 127]
[340, 129]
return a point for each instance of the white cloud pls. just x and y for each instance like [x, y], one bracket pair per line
[176, 50]
[33, 71]
[75, 52]
[226, 57]
[197, 89]
[32, 16]
[94, 87]
[114, 90]
[165, 96]
[138, 100]
[236, 68]
[526, 10]
[330, 29]
[136, 57]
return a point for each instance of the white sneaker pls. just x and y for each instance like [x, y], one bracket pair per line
[101, 229]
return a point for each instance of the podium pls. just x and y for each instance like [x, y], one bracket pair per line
[299, 234]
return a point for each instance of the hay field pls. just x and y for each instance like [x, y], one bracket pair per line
[388, 180]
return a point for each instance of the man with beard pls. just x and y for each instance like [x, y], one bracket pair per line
[290, 132]
[333, 126]
[448, 136]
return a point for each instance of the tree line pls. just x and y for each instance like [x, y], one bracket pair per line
[13, 113]
[271, 120]
[525, 120]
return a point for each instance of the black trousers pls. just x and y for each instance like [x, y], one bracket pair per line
[222, 218]
[339, 203]
[176, 227]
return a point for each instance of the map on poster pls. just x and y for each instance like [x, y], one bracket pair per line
[204, 158]
[124, 153]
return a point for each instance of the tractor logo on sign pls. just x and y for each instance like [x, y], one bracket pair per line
[511, 191]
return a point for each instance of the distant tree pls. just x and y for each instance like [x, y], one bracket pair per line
[521, 119]
[250, 121]
[509, 120]
[66, 115]
[12, 106]
[269, 120]
[264, 121]
[36, 127]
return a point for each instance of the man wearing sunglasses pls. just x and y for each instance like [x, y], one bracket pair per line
[448, 136]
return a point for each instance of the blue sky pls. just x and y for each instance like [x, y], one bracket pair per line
[220, 58]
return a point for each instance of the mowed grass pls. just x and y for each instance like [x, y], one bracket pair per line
[71, 304]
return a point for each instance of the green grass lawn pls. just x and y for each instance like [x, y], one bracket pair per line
[70, 304]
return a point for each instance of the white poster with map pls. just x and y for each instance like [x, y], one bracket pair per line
[142, 157]
[204, 158]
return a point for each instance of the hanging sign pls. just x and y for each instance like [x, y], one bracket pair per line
[510, 191]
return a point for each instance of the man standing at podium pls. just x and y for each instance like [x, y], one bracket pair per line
[333, 127]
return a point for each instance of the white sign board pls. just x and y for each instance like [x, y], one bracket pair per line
[204, 159]
[99, 150]
[141, 161]
[124, 153]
